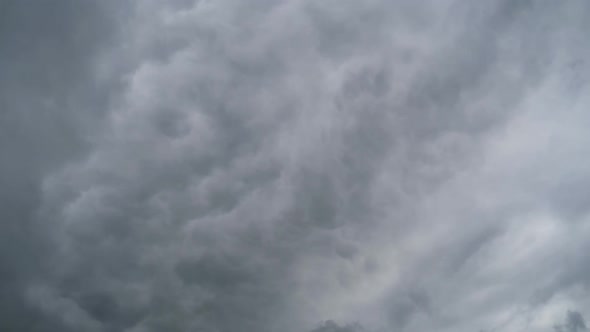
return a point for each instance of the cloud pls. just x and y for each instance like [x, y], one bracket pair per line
[574, 322]
[265, 166]
[48, 99]
[331, 326]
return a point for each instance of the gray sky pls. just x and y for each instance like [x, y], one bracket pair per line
[294, 166]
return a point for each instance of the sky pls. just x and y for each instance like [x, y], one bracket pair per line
[294, 165]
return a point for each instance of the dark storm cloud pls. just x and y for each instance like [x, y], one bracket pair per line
[45, 107]
[265, 166]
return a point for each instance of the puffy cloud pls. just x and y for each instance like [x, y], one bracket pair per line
[264, 166]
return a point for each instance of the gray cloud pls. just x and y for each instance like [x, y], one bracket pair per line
[574, 322]
[331, 326]
[265, 166]
[48, 99]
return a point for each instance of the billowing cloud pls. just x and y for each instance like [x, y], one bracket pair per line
[225, 165]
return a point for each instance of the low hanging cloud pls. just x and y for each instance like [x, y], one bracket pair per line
[333, 166]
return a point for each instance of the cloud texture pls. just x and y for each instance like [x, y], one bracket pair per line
[300, 165]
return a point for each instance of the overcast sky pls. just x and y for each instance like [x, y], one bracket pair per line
[294, 165]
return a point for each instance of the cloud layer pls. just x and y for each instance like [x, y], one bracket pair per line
[334, 166]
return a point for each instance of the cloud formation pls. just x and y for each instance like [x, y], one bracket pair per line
[225, 165]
